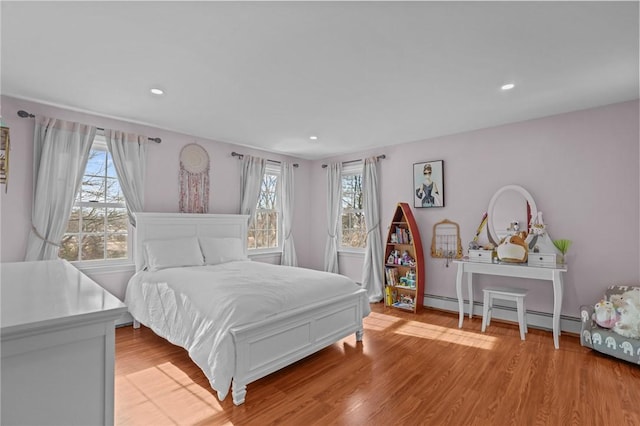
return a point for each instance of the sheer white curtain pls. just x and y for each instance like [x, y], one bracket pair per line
[334, 179]
[60, 154]
[288, 257]
[250, 181]
[373, 257]
[129, 153]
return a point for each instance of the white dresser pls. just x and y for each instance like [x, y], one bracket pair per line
[58, 346]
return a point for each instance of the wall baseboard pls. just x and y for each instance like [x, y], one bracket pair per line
[535, 319]
[542, 320]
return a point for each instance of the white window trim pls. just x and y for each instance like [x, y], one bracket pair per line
[351, 252]
[105, 266]
[274, 170]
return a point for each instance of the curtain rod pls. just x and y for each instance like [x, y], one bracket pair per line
[25, 114]
[379, 157]
[236, 154]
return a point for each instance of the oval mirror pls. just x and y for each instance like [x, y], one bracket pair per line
[510, 209]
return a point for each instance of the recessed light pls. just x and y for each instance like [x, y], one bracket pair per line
[313, 138]
[508, 86]
[157, 91]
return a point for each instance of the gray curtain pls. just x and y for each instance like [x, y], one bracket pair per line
[60, 155]
[129, 153]
[334, 190]
[288, 257]
[250, 181]
[373, 258]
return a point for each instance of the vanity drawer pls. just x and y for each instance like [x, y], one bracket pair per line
[542, 259]
[480, 256]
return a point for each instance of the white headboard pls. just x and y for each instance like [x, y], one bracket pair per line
[154, 226]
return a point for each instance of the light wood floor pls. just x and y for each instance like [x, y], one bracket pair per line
[410, 370]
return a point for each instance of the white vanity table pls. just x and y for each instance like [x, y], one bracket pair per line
[58, 345]
[550, 274]
[512, 204]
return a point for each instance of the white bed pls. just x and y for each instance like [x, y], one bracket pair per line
[250, 321]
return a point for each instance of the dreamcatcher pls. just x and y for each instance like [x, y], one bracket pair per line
[194, 179]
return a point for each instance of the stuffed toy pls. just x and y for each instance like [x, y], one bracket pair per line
[629, 323]
[605, 314]
[513, 249]
[619, 300]
[537, 228]
[627, 305]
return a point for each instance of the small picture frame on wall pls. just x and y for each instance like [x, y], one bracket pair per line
[428, 184]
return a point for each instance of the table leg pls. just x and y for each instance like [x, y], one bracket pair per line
[459, 294]
[558, 290]
[470, 288]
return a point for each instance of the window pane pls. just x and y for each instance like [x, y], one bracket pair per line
[352, 192]
[347, 202]
[116, 246]
[346, 221]
[251, 239]
[354, 233]
[262, 221]
[92, 247]
[93, 189]
[74, 221]
[111, 169]
[261, 239]
[96, 163]
[117, 220]
[113, 192]
[272, 238]
[273, 219]
[93, 219]
[270, 202]
[269, 187]
[69, 248]
[346, 230]
[273, 229]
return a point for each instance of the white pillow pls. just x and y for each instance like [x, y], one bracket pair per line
[169, 253]
[222, 250]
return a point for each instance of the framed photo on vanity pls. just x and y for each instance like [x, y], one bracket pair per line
[428, 184]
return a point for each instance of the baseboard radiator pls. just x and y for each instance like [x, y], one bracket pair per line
[542, 320]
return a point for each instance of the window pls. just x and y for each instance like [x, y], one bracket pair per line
[99, 226]
[353, 230]
[264, 233]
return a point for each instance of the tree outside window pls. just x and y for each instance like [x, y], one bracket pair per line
[264, 232]
[99, 226]
[353, 230]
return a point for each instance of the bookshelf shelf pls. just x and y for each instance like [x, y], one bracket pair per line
[404, 262]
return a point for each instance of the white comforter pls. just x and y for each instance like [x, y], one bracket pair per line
[195, 307]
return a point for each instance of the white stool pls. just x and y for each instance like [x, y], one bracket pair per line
[513, 294]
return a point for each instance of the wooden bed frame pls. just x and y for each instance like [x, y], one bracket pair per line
[264, 347]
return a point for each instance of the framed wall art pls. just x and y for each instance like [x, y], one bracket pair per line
[428, 184]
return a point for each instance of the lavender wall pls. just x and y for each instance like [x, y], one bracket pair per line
[582, 168]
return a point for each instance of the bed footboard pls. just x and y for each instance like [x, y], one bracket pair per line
[265, 347]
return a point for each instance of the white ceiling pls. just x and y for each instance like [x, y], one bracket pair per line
[356, 74]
